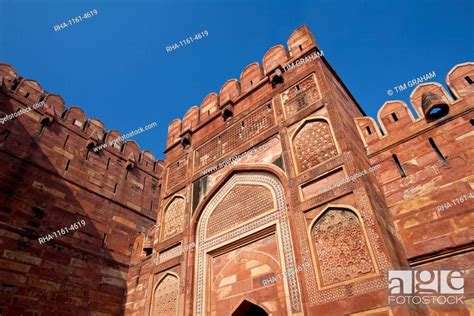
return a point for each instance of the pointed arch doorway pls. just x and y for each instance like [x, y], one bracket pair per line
[246, 215]
[247, 308]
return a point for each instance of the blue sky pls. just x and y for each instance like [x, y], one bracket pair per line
[115, 65]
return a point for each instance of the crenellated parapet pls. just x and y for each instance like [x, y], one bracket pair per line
[29, 92]
[227, 102]
[432, 104]
[65, 143]
[72, 199]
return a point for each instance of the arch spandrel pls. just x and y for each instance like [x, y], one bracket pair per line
[242, 203]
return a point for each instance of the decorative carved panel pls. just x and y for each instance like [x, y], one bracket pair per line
[313, 144]
[234, 136]
[166, 297]
[300, 96]
[341, 247]
[241, 204]
[173, 221]
[177, 173]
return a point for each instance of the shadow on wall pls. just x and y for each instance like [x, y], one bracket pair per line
[46, 189]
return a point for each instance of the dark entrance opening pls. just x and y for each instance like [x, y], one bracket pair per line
[248, 309]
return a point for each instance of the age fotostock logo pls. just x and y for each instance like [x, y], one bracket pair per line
[425, 287]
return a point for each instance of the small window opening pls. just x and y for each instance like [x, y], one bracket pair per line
[436, 149]
[394, 116]
[115, 188]
[67, 165]
[27, 95]
[151, 206]
[90, 147]
[242, 124]
[209, 113]
[471, 121]
[108, 163]
[269, 106]
[104, 241]
[38, 213]
[301, 47]
[277, 79]
[251, 82]
[65, 141]
[43, 125]
[399, 166]
[368, 130]
[298, 87]
[185, 142]
[148, 251]
[469, 80]
[227, 113]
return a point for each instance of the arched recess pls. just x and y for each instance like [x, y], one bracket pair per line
[151, 235]
[340, 247]
[173, 217]
[165, 296]
[248, 308]
[313, 143]
[246, 227]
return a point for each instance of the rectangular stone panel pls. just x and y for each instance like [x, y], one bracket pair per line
[321, 184]
[253, 124]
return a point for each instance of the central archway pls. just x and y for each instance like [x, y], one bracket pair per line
[249, 309]
[248, 213]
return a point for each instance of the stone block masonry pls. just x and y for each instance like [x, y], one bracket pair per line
[50, 179]
[20, 112]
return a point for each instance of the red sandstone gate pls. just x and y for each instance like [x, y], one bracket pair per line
[243, 238]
